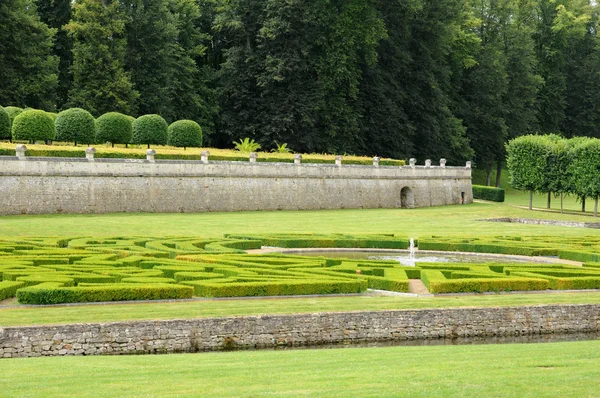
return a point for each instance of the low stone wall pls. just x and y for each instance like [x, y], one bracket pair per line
[207, 334]
[57, 185]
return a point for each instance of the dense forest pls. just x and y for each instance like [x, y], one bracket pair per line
[396, 78]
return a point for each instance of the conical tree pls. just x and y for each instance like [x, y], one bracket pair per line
[100, 83]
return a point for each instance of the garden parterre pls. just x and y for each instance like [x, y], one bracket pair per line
[80, 269]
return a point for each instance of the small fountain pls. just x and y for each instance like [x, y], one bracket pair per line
[412, 257]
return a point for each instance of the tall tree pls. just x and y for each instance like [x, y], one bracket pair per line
[56, 14]
[192, 93]
[437, 41]
[294, 70]
[28, 70]
[100, 83]
[151, 37]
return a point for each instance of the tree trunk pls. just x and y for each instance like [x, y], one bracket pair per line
[489, 176]
[596, 206]
[148, 146]
[549, 199]
[561, 202]
[583, 204]
[530, 199]
[498, 173]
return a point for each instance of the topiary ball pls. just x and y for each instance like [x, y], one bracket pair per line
[150, 129]
[113, 127]
[5, 133]
[184, 133]
[33, 125]
[13, 112]
[77, 125]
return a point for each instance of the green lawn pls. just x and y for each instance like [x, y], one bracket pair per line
[236, 307]
[444, 220]
[526, 370]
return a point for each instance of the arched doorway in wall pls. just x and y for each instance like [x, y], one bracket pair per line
[407, 200]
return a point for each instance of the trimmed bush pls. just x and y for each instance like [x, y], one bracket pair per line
[150, 130]
[281, 288]
[185, 133]
[77, 125]
[9, 288]
[48, 294]
[5, 132]
[13, 112]
[488, 193]
[53, 115]
[33, 125]
[114, 127]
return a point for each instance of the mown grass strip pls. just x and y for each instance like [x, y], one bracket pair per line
[21, 316]
[526, 370]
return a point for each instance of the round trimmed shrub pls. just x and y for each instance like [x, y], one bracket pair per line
[184, 133]
[33, 125]
[13, 112]
[77, 125]
[53, 115]
[4, 124]
[150, 129]
[113, 127]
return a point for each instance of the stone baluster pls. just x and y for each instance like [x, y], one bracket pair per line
[442, 162]
[376, 161]
[150, 154]
[297, 159]
[20, 151]
[253, 157]
[338, 160]
[204, 157]
[90, 153]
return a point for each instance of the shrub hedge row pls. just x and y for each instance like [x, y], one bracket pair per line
[53, 270]
[488, 193]
[52, 294]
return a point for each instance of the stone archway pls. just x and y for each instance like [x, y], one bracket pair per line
[407, 200]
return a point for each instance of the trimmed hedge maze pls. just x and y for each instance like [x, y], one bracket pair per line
[65, 270]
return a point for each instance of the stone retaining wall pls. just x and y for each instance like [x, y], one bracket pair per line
[57, 185]
[206, 334]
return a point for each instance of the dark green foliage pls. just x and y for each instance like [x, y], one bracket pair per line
[56, 14]
[184, 133]
[150, 129]
[5, 125]
[298, 91]
[33, 125]
[28, 70]
[100, 83]
[114, 127]
[488, 193]
[76, 125]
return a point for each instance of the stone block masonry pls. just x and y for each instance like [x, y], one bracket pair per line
[208, 334]
[32, 185]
